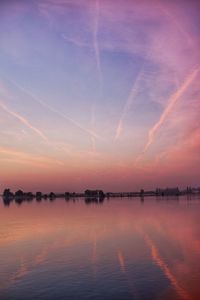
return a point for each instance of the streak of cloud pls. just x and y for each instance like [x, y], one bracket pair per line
[95, 12]
[93, 139]
[169, 108]
[52, 109]
[178, 25]
[76, 41]
[24, 121]
[128, 104]
[95, 40]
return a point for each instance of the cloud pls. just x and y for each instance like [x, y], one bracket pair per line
[128, 104]
[52, 109]
[169, 108]
[24, 121]
[96, 43]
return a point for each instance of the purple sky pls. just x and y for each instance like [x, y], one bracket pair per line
[99, 94]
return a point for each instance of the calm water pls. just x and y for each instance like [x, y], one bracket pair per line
[119, 249]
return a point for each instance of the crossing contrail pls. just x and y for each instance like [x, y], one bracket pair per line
[178, 25]
[169, 108]
[24, 121]
[52, 109]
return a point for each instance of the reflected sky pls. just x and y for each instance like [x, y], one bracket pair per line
[119, 249]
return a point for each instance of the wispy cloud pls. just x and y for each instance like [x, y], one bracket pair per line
[24, 121]
[169, 108]
[52, 109]
[96, 42]
[93, 139]
[112, 39]
[94, 11]
[128, 104]
[76, 41]
[176, 22]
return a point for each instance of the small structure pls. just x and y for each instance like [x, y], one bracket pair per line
[168, 192]
[94, 193]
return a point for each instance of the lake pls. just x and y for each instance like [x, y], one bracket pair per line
[118, 249]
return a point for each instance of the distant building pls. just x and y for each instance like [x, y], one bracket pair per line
[94, 193]
[168, 192]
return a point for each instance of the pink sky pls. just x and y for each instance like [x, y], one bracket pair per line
[99, 94]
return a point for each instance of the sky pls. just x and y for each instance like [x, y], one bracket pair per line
[99, 94]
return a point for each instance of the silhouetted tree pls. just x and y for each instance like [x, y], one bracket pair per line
[52, 195]
[7, 193]
[67, 195]
[38, 195]
[19, 194]
[29, 195]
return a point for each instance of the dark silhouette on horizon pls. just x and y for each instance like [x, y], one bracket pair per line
[95, 196]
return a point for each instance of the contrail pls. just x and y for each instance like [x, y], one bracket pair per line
[127, 105]
[179, 27]
[50, 108]
[93, 139]
[172, 101]
[75, 41]
[24, 121]
[96, 44]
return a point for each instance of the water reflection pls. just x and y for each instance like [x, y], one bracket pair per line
[122, 249]
[20, 200]
[88, 200]
[165, 269]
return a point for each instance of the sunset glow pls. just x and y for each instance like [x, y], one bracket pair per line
[99, 94]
